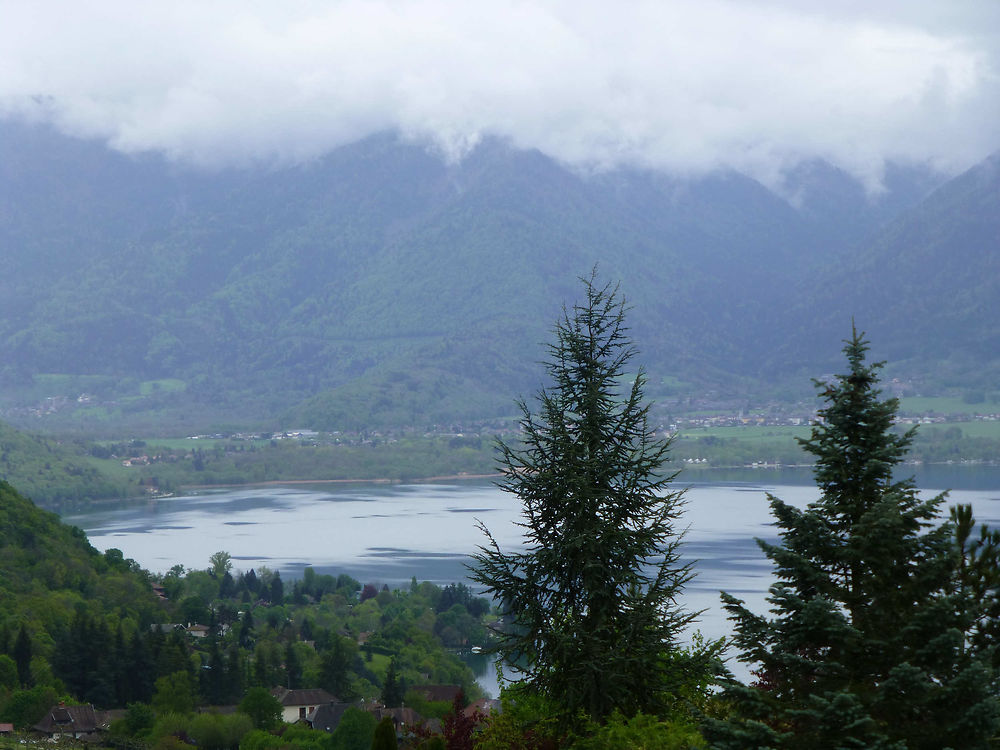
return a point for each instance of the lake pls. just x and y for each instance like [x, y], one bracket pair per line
[388, 533]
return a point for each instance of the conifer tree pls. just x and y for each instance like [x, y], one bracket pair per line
[277, 593]
[293, 667]
[335, 665]
[592, 597]
[141, 671]
[868, 643]
[385, 735]
[977, 580]
[392, 687]
[22, 656]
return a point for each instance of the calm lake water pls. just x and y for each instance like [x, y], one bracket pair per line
[390, 533]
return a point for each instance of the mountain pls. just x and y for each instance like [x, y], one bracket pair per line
[382, 285]
[926, 287]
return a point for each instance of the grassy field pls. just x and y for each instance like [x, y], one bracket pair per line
[944, 406]
[969, 429]
[748, 432]
[187, 444]
[736, 446]
[167, 385]
[111, 468]
[766, 434]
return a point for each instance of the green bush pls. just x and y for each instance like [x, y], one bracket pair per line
[218, 732]
[640, 732]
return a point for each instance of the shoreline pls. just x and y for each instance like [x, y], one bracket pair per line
[374, 480]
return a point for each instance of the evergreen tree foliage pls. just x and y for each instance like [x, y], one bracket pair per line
[139, 674]
[335, 666]
[22, 656]
[250, 582]
[868, 646]
[385, 735]
[214, 687]
[277, 593]
[355, 730]
[392, 688]
[978, 580]
[592, 595]
[293, 667]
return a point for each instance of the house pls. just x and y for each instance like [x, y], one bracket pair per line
[403, 718]
[77, 722]
[297, 704]
[6, 729]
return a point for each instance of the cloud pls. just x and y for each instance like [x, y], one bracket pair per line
[681, 86]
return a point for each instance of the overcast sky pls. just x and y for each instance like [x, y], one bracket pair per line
[682, 86]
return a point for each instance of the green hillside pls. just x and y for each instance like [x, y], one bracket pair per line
[380, 284]
[926, 287]
[50, 471]
[41, 556]
[274, 287]
[49, 575]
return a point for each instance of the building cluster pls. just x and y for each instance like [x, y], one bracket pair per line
[312, 707]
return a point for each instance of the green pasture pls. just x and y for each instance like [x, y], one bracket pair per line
[943, 405]
[757, 433]
[188, 444]
[110, 467]
[165, 385]
[668, 385]
[184, 444]
[975, 429]
[68, 383]
[379, 664]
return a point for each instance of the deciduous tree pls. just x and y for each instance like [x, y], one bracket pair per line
[174, 693]
[220, 563]
[263, 708]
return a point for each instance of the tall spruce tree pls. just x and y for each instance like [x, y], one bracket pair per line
[392, 686]
[977, 580]
[868, 646]
[592, 597]
[22, 656]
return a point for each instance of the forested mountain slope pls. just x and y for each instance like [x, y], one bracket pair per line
[46, 470]
[926, 286]
[49, 572]
[382, 285]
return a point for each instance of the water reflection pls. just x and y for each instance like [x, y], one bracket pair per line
[390, 533]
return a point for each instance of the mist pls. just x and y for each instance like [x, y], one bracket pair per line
[684, 87]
